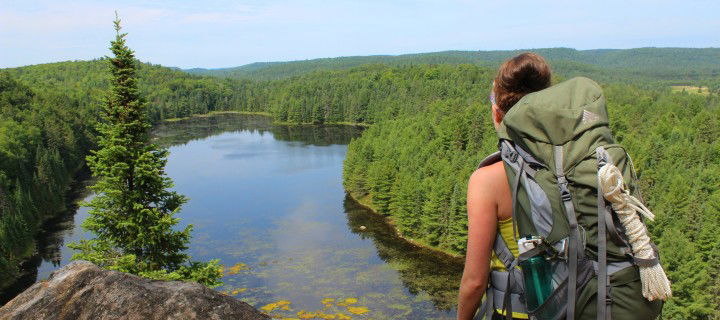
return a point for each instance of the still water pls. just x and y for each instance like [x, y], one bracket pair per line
[268, 202]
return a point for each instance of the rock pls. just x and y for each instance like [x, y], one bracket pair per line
[81, 290]
[362, 228]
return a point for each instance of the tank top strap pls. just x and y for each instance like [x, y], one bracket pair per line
[505, 227]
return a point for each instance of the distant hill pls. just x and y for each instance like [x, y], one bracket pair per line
[170, 92]
[671, 64]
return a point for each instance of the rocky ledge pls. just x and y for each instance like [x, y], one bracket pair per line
[81, 290]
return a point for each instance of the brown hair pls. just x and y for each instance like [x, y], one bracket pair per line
[525, 73]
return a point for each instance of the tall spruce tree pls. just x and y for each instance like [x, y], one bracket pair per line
[132, 215]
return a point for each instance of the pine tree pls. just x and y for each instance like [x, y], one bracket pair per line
[132, 215]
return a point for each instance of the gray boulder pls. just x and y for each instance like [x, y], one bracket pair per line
[81, 290]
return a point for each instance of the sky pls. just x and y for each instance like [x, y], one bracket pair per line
[221, 33]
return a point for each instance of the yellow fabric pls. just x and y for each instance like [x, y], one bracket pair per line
[515, 315]
[505, 228]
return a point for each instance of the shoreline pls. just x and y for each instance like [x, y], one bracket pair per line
[76, 189]
[214, 113]
[391, 222]
[266, 114]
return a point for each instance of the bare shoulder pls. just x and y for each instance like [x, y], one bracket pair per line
[488, 178]
[484, 187]
[484, 196]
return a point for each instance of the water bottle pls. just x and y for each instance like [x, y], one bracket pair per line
[537, 274]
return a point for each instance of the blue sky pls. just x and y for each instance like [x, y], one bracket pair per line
[218, 33]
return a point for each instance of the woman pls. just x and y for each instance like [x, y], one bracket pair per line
[489, 202]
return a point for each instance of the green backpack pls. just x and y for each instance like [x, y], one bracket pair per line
[552, 143]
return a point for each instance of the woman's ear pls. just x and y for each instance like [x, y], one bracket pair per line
[497, 115]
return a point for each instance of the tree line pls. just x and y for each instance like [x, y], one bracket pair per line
[429, 127]
[656, 64]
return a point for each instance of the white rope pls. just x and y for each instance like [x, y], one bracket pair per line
[655, 283]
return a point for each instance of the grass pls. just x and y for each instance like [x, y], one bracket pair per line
[692, 90]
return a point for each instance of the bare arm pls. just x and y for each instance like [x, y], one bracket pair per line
[482, 225]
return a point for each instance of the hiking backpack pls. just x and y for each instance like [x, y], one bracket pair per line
[552, 143]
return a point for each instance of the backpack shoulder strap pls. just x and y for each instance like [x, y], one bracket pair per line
[507, 280]
[491, 159]
[502, 251]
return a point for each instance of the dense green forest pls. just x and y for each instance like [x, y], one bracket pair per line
[675, 64]
[430, 127]
[170, 93]
[47, 126]
[43, 139]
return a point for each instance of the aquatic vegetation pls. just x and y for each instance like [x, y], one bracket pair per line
[282, 305]
[241, 290]
[322, 315]
[300, 275]
[327, 302]
[330, 311]
[302, 314]
[236, 268]
[269, 307]
[358, 310]
[347, 302]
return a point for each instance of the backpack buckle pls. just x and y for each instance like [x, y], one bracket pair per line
[601, 162]
[511, 155]
[564, 191]
[508, 151]
[565, 196]
[608, 297]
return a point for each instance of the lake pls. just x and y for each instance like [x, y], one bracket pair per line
[268, 201]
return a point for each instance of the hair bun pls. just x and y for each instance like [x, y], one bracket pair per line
[525, 73]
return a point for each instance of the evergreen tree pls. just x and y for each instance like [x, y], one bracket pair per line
[132, 214]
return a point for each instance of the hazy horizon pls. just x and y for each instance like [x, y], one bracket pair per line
[351, 56]
[222, 34]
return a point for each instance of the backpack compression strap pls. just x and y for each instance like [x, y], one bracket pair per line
[573, 254]
[603, 280]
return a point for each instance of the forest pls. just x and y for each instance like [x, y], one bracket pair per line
[666, 64]
[429, 126]
[47, 127]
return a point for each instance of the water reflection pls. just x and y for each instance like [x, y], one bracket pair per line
[197, 128]
[420, 269]
[52, 240]
[268, 201]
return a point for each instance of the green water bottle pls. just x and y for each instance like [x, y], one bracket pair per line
[537, 275]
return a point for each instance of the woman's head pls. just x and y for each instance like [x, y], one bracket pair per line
[518, 76]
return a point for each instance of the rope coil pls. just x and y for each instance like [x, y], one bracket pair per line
[655, 283]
